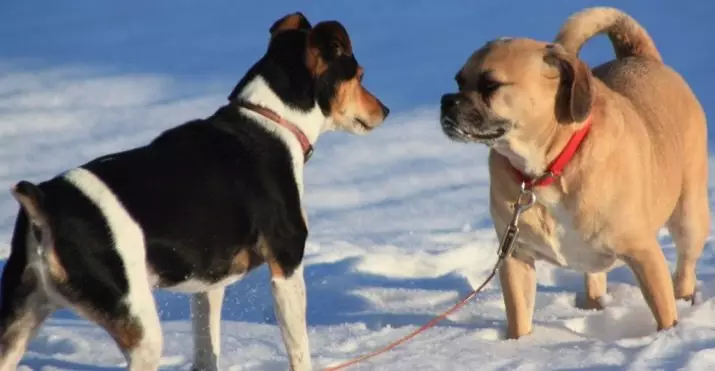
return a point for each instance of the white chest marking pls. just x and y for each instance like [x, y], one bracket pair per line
[569, 249]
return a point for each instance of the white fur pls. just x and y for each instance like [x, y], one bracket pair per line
[569, 249]
[128, 239]
[311, 123]
[290, 304]
[522, 156]
[206, 324]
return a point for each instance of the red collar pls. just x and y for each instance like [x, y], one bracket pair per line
[557, 166]
[268, 113]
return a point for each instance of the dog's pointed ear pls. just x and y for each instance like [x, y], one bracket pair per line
[293, 21]
[326, 41]
[576, 90]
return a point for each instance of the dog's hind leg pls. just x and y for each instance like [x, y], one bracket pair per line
[23, 308]
[689, 226]
[28, 277]
[206, 321]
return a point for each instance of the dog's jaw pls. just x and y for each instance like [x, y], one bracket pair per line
[523, 156]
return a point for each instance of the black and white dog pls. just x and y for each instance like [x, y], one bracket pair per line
[193, 211]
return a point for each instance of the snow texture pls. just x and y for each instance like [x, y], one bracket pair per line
[399, 222]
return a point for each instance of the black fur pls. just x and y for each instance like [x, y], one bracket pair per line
[201, 192]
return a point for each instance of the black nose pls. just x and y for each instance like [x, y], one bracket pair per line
[385, 110]
[449, 101]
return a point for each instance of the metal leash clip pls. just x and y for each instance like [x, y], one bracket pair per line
[526, 199]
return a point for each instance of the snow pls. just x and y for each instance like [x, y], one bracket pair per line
[399, 222]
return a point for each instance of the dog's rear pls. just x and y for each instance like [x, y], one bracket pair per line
[671, 114]
[29, 273]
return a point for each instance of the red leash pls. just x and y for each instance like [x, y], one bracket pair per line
[429, 324]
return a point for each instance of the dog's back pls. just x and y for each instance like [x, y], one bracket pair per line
[639, 74]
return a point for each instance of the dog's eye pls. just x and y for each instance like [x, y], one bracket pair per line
[487, 85]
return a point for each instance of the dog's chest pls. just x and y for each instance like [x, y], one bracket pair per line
[563, 244]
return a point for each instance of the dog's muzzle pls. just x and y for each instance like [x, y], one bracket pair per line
[457, 128]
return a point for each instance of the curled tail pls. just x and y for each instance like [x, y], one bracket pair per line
[628, 37]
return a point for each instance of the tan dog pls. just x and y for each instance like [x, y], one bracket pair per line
[642, 162]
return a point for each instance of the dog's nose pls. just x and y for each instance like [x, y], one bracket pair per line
[449, 101]
[385, 110]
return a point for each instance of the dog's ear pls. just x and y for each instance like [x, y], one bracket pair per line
[293, 21]
[576, 91]
[326, 41]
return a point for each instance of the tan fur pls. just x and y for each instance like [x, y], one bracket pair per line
[126, 333]
[627, 36]
[642, 166]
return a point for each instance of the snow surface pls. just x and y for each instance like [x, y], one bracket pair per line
[399, 221]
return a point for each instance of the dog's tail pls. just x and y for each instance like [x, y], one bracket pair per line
[628, 37]
[32, 201]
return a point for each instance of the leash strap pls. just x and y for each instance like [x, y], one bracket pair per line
[526, 199]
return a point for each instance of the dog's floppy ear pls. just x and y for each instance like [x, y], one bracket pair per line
[326, 41]
[293, 21]
[576, 91]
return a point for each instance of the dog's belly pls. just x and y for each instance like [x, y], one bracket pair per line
[566, 247]
[194, 285]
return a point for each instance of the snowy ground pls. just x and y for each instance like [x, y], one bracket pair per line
[399, 221]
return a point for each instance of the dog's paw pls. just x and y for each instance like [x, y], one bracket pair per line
[692, 298]
[584, 303]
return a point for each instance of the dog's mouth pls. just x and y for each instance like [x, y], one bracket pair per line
[363, 124]
[456, 132]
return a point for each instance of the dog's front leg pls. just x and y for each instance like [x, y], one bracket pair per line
[289, 300]
[206, 322]
[518, 281]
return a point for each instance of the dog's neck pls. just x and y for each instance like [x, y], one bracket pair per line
[532, 156]
[311, 123]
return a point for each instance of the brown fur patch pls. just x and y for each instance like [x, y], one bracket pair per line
[267, 255]
[245, 261]
[127, 332]
[576, 90]
[293, 21]
[55, 267]
[326, 41]
[353, 100]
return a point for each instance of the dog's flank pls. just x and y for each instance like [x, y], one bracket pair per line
[143, 344]
[628, 37]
